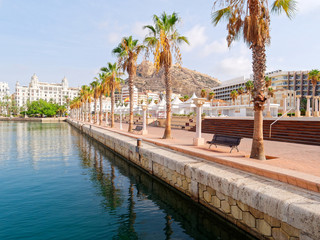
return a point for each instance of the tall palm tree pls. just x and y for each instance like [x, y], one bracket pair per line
[211, 95]
[102, 90]
[127, 52]
[268, 81]
[249, 88]
[234, 95]
[162, 39]
[314, 77]
[203, 93]
[95, 88]
[240, 93]
[251, 19]
[112, 82]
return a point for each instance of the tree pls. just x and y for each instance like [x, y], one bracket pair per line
[249, 88]
[162, 39]
[95, 88]
[127, 52]
[112, 82]
[314, 78]
[252, 18]
[203, 93]
[268, 82]
[234, 95]
[240, 93]
[211, 95]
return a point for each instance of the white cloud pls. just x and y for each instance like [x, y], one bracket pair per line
[196, 37]
[238, 63]
[114, 37]
[306, 6]
[219, 46]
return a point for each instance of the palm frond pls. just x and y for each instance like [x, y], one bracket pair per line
[217, 16]
[288, 6]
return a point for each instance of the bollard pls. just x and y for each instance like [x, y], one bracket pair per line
[139, 140]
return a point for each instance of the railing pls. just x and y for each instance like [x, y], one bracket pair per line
[278, 120]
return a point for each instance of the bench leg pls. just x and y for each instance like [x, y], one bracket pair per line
[231, 149]
[210, 146]
[237, 148]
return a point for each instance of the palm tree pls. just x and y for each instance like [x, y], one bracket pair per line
[267, 81]
[314, 77]
[112, 82]
[249, 88]
[252, 18]
[234, 95]
[162, 39]
[211, 95]
[127, 52]
[203, 93]
[240, 93]
[95, 88]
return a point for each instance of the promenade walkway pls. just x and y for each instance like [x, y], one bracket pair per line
[296, 164]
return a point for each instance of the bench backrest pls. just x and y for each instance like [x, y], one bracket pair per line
[227, 139]
[138, 128]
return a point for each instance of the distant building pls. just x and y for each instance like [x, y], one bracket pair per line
[223, 91]
[125, 94]
[293, 80]
[4, 91]
[56, 92]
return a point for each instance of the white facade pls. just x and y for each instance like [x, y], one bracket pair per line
[125, 94]
[56, 92]
[4, 90]
[223, 91]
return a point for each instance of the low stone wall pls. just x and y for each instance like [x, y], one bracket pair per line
[266, 208]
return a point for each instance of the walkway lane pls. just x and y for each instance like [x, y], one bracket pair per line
[296, 164]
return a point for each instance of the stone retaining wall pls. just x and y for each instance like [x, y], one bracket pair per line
[266, 208]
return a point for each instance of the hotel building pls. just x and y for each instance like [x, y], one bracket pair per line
[223, 91]
[56, 92]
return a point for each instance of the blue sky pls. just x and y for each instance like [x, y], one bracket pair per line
[74, 38]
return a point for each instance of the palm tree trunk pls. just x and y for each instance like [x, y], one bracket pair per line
[95, 110]
[131, 102]
[167, 132]
[259, 67]
[89, 112]
[313, 99]
[112, 106]
[100, 115]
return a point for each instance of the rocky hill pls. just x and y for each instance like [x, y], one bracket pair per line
[184, 81]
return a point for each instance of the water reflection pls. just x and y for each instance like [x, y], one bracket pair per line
[145, 207]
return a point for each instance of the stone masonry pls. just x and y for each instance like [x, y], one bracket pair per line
[265, 208]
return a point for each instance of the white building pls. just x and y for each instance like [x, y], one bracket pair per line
[56, 92]
[125, 94]
[223, 91]
[4, 90]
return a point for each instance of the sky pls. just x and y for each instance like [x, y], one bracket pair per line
[74, 38]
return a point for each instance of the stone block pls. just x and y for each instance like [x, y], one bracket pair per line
[248, 219]
[236, 212]
[263, 227]
[232, 202]
[220, 196]
[278, 234]
[291, 231]
[256, 213]
[272, 221]
[242, 206]
[207, 196]
[216, 202]
[211, 191]
[225, 207]
[185, 185]
[179, 182]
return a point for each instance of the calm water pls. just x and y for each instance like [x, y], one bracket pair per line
[59, 184]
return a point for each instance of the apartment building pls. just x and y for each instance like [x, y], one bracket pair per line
[293, 80]
[4, 91]
[56, 92]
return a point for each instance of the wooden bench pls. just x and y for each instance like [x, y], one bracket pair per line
[138, 128]
[232, 142]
